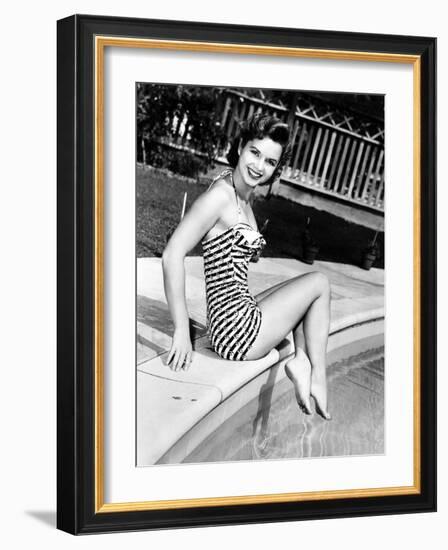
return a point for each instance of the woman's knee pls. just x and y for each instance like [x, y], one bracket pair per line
[321, 282]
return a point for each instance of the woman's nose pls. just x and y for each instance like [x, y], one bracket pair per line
[259, 162]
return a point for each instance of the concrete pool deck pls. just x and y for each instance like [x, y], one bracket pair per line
[170, 404]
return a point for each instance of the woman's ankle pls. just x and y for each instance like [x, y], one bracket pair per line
[319, 373]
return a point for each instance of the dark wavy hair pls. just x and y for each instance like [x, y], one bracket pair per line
[259, 126]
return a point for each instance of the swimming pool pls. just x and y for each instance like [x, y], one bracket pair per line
[271, 426]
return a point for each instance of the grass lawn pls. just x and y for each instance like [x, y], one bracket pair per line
[159, 204]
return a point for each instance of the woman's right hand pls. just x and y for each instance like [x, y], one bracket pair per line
[180, 355]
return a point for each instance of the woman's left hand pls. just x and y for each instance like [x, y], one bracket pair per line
[180, 354]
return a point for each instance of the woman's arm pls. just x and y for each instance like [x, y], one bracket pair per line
[201, 217]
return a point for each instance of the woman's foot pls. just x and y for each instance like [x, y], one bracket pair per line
[298, 370]
[319, 394]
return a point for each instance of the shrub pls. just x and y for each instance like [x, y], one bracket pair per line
[184, 163]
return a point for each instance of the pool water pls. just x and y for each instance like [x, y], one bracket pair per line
[273, 427]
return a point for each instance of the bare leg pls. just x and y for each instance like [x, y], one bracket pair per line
[270, 290]
[315, 328]
[297, 369]
[305, 297]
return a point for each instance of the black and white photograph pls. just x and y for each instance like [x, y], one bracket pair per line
[260, 254]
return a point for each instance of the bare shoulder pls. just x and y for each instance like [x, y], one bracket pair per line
[219, 193]
[222, 183]
[210, 205]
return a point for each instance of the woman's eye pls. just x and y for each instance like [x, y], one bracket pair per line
[255, 152]
[273, 163]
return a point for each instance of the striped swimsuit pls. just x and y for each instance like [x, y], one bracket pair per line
[233, 315]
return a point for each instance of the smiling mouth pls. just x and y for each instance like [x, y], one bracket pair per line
[253, 174]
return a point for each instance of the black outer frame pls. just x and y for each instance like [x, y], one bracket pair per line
[76, 262]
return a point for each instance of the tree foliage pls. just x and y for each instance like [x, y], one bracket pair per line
[186, 116]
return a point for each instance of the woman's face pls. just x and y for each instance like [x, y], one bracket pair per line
[258, 160]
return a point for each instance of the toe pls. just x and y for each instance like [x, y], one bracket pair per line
[324, 414]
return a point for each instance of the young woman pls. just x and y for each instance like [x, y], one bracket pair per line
[240, 326]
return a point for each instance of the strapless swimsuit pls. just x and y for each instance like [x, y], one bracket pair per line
[233, 315]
